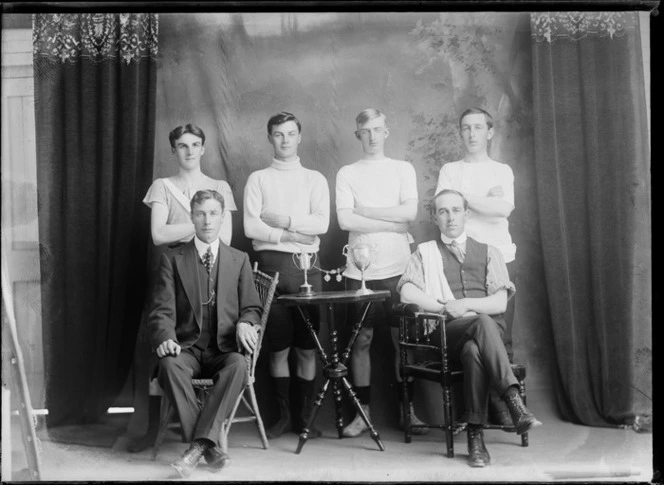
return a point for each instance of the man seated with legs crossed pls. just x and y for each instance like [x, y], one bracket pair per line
[206, 312]
[468, 281]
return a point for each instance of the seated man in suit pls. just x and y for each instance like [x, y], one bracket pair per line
[206, 311]
[468, 281]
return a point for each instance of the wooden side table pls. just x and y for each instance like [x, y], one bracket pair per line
[334, 365]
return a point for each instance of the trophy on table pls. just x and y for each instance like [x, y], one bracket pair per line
[360, 255]
[305, 262]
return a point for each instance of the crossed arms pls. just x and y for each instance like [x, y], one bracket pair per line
[378, 219]
[490, 305]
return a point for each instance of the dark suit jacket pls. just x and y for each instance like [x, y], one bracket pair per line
[177, 308]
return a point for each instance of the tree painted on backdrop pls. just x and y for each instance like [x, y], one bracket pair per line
[469, 64]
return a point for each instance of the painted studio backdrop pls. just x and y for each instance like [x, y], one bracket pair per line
[228, 73]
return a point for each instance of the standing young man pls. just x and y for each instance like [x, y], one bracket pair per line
[286, 208]
[376, 201]
[488, 186]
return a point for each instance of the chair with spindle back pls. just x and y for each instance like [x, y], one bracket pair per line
[266, 286]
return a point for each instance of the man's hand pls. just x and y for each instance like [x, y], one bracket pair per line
[276, 220]
[495, 191]
[168, 347]
[298, 237]
[455, 308]
[247, 337]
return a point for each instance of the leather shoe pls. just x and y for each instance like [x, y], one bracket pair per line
[280, 427]
[478, 455]
[522, 419]
[190, 459]
[216, 458]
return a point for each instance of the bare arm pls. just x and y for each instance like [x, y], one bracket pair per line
[412, 294]
[349, 221]
[405, 212]
[490, 305]
[163, 233]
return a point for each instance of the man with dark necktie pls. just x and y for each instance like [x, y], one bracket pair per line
[468, 281]
[206, 311]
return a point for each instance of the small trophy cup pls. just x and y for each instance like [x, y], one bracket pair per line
[305, 261]
[360, 255]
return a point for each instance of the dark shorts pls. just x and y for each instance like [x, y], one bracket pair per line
[374, 316]
[285, 325]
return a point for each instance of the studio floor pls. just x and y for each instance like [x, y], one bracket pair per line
[558, 451]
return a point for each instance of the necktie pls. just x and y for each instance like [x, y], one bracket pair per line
[456, 250]
[207, 259]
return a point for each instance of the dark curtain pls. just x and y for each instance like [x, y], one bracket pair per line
[593, 186]
[95, 84]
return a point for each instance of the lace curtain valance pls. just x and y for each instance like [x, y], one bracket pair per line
[573, 26]
[65, 38]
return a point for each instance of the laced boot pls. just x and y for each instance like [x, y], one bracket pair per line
[282, 387]
[478, 455]
[306, 393]
[498, 412]
[190, 459]
[357, 426]
[523, 419]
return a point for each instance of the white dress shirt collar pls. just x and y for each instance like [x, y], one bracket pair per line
[202, 247]
[460, 240]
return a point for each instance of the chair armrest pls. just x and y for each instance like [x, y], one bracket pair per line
[406, 309]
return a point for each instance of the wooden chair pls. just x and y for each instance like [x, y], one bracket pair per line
[430, 362]
[266, 286]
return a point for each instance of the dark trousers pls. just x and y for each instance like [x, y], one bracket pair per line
[476, 342]
[227, 370]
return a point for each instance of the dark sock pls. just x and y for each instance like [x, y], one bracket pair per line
[206, 443]
[363, 394]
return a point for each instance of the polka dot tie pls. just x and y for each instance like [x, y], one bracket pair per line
[207, 259]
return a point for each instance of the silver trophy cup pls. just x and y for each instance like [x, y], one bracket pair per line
[360, 255]
[305, 262]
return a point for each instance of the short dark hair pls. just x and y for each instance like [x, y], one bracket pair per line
[280, 119]
[477, 111]
[176, 133]
[203, 195]
[448, 191]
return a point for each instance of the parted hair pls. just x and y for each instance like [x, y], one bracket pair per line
[280, 119]
[477, 111]
[176, 133]
[203, 195]
[448, 191]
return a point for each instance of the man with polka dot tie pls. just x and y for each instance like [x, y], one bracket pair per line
[205, 313]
